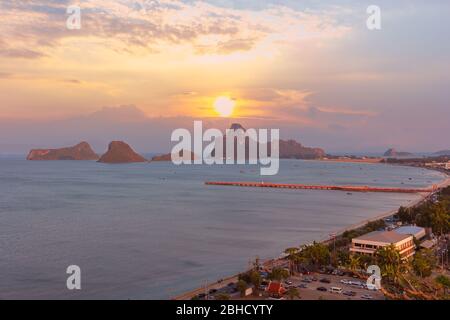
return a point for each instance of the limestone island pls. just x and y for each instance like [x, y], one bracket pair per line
[120, 152]
[81, 151]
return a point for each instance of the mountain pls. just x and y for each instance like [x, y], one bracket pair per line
[120, 152]
[394, 153]
[291, 149]
[442, 153]
[81, 151]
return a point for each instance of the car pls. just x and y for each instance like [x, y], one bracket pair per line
[367, 297]
[325, 280]
[314, 279]
[323, 289]
[202, 296]
[349, 293]
[288, 282]
[231, 284]
[303, 286]
[336, 290]
[212, 291]
[306, 280]
[345, 281]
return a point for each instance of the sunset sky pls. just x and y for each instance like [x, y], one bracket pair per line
[137, 69]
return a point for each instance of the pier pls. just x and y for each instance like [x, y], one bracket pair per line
[318, 187]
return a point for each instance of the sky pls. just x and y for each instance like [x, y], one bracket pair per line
[136, 70]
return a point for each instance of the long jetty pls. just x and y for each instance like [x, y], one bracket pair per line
[318, 187]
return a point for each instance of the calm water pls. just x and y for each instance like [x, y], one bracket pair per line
[147, 231]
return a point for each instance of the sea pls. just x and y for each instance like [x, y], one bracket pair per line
[155, 230]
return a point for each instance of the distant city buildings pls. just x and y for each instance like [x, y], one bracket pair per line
[438, 165]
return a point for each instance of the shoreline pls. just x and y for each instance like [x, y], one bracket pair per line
[234, 278]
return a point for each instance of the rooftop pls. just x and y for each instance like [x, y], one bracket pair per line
[412, 230]
[383, 237]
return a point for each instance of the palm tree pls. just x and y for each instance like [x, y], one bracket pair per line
[354, 262]
[390, 262]
[292, 257]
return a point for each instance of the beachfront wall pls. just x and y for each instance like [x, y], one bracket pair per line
[369, 244]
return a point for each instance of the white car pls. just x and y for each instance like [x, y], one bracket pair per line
[344, 281]
[367, 297]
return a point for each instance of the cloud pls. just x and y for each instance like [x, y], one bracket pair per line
[152, 25]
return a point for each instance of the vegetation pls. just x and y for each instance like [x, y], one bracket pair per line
[429, 215]
[279, 274]
[424, 262]
[389, 260]
[242, 287]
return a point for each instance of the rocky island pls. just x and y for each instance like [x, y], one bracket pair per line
[120, 152]
[394, 153]
[81, 151]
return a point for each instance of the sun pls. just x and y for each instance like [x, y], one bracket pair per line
[224, 106]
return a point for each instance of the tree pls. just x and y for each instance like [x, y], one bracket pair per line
[354, 262]
[242, 287]
[255, 278]
[279, 274]
[404, 215]
[390, 262]
[293, 293]
[292, 257]
[443, 282]
[424, 262]
[440, 218]
[316, 254]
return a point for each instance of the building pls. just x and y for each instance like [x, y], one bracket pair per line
[368, 244]
[275, 289]
[417, 232]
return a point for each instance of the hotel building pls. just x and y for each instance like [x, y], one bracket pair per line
[368, 244]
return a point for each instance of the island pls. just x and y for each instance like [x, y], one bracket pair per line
[81, 151]
[393, 153]
[120, 152]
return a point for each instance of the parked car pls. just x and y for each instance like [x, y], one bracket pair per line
[306, 280]
[367, 297]
[303, 286]
[336, 290]
[349, 293]
[325, 280]
[314, 279]
[288, 282]
[345, 281]
[323, 289]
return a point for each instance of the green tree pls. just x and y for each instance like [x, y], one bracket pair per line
[255, 278]
[404, 215]
[316, 254]
[242, 286]
[443, 282]
[390, 262]
[440, 218]
[424, 262]
[293, 293]
[279, 274]
[354, 262]
[292, 257]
